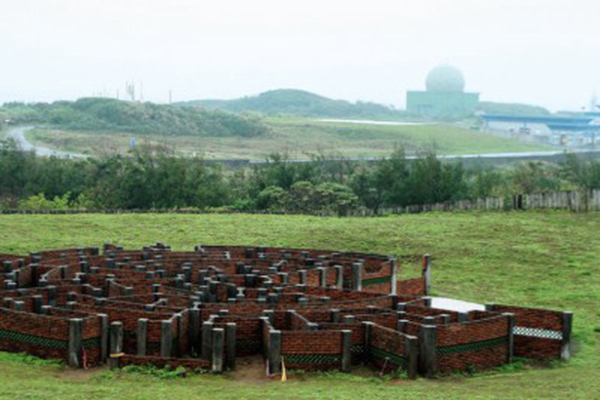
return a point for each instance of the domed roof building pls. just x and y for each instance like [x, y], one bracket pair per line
[445, 96]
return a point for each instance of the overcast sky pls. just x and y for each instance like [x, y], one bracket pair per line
[543, 52]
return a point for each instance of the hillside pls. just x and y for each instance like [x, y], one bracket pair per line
[110, 115]
[299, 103]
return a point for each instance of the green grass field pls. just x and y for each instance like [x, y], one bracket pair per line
[299, 138]
[540, 259]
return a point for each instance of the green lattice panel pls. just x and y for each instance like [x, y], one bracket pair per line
[312, 358]
[376, 281]
[357, 349]
[484, 344]
[34, 340]
[394, 358]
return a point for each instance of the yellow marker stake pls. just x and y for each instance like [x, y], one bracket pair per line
[283, 374]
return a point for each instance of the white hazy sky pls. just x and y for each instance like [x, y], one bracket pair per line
[543, 52]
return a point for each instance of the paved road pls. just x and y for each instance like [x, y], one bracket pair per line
[18, 134]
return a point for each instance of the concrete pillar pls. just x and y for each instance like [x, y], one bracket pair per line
[19, 305]
[335, 315]
[75, 342]
[142, 336]
[207, 328]
[567, 327]
[462, 317]
[357, 277]
[427, 353]
[52, 295]
[166, 338]
[46, 310]
[511, 339]
[322, 276]
[348, 319]
[394, 276]
[302, 276]
[274, 352]
[104, 328]
[368, 336]
[116, 344]
[217, 350]
[346, 350]
[427, 273]
[412, 359]
[401, 325]
[230, 343]
[339, 276]
[194, 332]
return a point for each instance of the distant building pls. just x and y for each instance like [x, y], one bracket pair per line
[445, 95]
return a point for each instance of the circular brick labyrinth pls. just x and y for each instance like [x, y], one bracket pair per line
[302, 309]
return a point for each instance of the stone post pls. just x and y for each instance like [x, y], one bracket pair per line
[339, 276]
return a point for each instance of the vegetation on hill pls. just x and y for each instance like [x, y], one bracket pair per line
[512, 109]
[300, 103]
[110, 115]
[535, 259]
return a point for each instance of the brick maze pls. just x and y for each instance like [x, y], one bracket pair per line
[203, 309]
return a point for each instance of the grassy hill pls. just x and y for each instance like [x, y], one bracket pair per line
[110, 115]
[538, 259]
[299, 103]
[299, 137]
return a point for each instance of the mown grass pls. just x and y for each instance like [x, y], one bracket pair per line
[298, 137]
[541, 259]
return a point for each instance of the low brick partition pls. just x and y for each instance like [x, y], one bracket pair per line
[305, 309]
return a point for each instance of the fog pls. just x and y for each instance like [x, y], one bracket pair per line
[544, 52]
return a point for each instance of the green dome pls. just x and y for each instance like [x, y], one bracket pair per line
[445, 78]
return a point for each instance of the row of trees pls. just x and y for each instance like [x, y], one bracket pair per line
[149, 178]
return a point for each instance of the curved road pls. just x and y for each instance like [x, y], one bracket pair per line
[18, 135]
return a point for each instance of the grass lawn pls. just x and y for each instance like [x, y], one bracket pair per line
[299, 138]
[541, 259]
